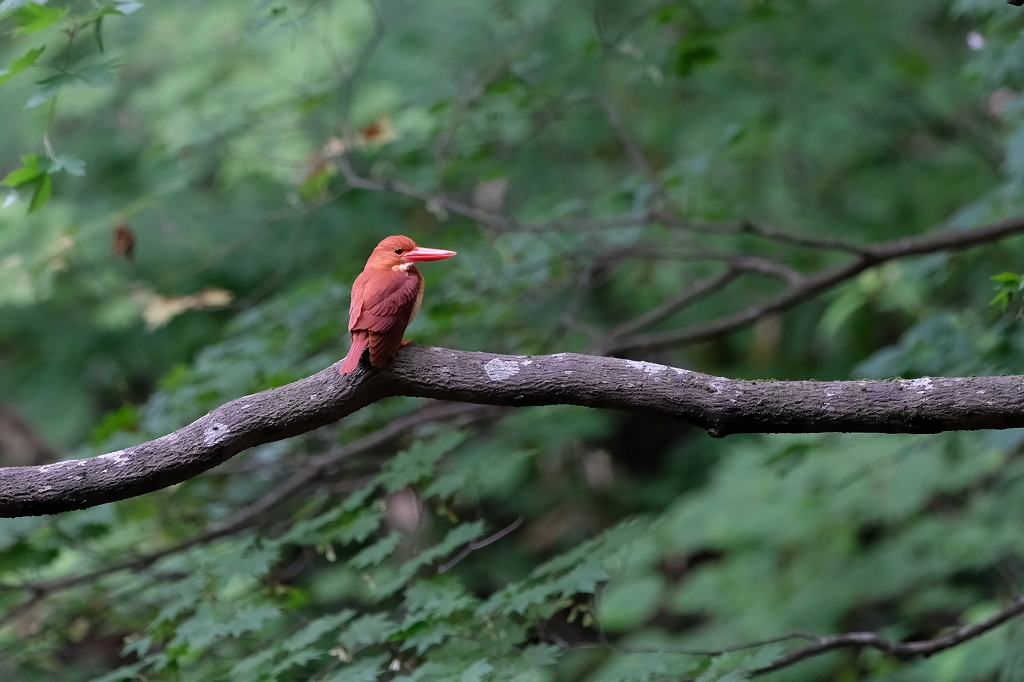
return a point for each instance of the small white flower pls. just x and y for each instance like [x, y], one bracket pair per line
[975, 40]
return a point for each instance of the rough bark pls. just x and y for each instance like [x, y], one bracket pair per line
[722, 406]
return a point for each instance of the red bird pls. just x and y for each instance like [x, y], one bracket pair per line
[385, 297]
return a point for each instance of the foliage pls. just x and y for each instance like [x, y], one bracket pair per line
[219, 134]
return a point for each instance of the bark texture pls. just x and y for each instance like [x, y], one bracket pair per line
[722, 406]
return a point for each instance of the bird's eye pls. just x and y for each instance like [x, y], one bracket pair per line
[398, 251]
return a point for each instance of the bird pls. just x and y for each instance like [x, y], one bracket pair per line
[385, 297]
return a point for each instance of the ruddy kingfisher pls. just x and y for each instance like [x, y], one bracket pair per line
[385, 297]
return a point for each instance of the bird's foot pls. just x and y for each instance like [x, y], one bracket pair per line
[405, 343]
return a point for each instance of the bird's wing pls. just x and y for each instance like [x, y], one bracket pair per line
[382, 304]
[356, 306]
[383, 299]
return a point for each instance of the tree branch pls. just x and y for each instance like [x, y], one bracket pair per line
[812, 285]
[671, 215]
[315, 468]
[495, 221]
[902, 650]
[699, 290]
[722, 406]
[825, 644]
[480, 544]
[798, 290]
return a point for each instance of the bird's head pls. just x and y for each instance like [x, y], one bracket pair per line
[400, 252]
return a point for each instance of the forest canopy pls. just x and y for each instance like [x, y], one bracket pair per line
[743, 190]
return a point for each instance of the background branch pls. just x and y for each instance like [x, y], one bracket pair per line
[817, 283]
[902, 650]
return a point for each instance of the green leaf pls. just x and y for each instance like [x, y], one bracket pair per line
[438, 597]
[249, 665]
[215, 623]
[413, 465]
[540, 655]
[316, 183]
[97, 32]
[424, 635]
[583, 579]
[94, 75]
[336, 525]
[102, 12]
[477, 671]
[764, 656]
[125, 418]
[1008, 277]
[359, 497]
[359, 528]
[177, 597]
[29, 172]
[715, 676]
[42, 194]
[24, 554]
[630, 603]
[1002, 299]
[33, 17]
[693, 53]
[377, 552]
[456, 538]
[127, 672]
[364, 670]
[70, 164]
[19, 65]
[842, 309]
[129, 7]
[645, 667]
[316, 629]
[372, 628]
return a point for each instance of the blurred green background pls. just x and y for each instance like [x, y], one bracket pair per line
[215, 136]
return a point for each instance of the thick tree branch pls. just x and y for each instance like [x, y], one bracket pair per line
[722, 406]
[315, 468]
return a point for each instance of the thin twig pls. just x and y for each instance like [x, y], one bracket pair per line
[682, 651]
[798, 239]
[902, 650]
[817, 283]
[479, 544]
[698, 291]
[824, 644]
[495, 221]
[670, 213]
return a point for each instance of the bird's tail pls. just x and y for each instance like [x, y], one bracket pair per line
[360, 341]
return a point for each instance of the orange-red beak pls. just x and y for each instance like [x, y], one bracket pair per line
[420, 254]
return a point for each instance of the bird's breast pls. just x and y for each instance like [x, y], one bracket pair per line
[419, 293]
